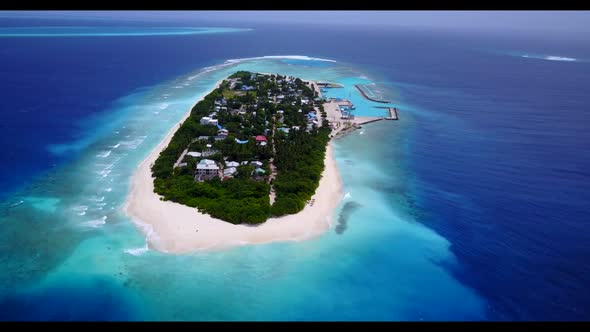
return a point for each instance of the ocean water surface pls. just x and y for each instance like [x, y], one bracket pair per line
[472, 206]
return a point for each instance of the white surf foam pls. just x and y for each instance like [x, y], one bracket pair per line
[104, 173]
[148, 230]
[95, 223]
[133, 144]
[17, 203]
[97, 199]
[80, 210]
[559, 58]
[104, 154]
[549, 57]
[291, 57]
[137, 251]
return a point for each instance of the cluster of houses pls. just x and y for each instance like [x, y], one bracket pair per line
[312, 119]
[207, 169]
[234, 82]
[288, 91]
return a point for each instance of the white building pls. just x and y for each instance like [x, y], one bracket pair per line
[231, 171]
[194, 154]
[207, 168]
[232, 164]
[256, 163]
[208, 121]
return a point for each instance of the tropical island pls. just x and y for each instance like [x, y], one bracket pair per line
[252, 148]
[254, 151]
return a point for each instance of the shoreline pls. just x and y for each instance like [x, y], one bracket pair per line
[175, 228]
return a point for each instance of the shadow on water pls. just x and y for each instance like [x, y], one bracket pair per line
[344, 215]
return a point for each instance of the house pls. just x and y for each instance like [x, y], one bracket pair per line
[205, 138]
[207, 169]
[209, 151]
[244, 163]
[258, 174]
[285, 130]
[194, 154]
[232, 164]
[260, 138]
[231, 171]
[234, 82]
[241, 142]
[222, 133]
[256, 163]
[208, 121]
[262, 143]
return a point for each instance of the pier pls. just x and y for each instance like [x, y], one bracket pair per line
[370, 98]
[365, 120]
[328, 85]
[392, 113]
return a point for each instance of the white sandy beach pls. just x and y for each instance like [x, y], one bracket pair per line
[176, 228]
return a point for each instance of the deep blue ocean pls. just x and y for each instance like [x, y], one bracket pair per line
[491, 153]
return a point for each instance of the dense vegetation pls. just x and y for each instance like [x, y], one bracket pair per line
[298, 156]
[300, 162]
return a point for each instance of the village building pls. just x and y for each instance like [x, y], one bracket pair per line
[206, 170]
[208, 121]
[260, 138]
[230, 171]
[194, 154]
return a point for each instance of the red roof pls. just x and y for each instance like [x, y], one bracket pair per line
[260, 138]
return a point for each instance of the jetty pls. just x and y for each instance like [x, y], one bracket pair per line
[392, 114]
[370, 98]
[328, 85]
[392, 111]
[362, 120]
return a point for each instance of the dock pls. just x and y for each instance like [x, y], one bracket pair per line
[392, 114]
[370, 98]
[363, 121]
[328, 85]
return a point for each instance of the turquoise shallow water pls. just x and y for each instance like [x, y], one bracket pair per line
[67, 240]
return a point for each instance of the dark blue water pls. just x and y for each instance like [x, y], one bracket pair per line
[498, 154]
